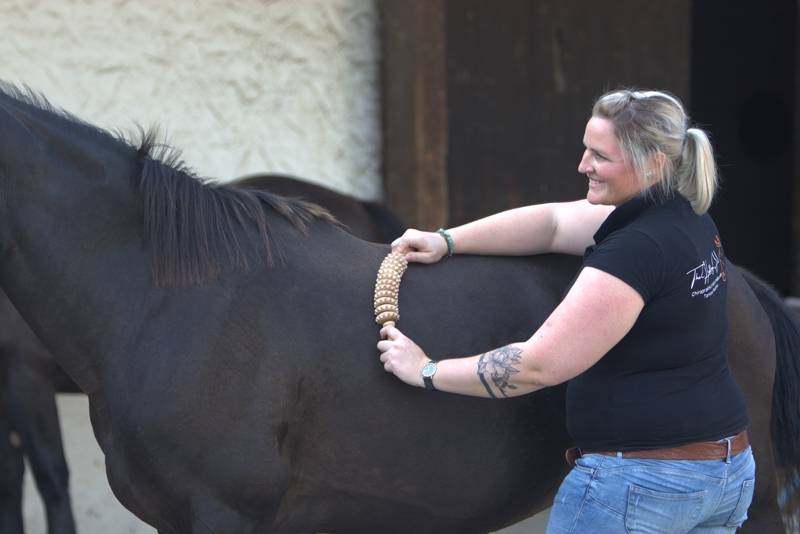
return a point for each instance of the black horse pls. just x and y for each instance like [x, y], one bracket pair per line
[29, 422]
[226, 342]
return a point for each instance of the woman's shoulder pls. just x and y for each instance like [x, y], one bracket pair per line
[670, 216]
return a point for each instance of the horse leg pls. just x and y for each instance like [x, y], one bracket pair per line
[12, 469]
[35, 416]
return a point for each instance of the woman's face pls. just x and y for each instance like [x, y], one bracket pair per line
[612, 180]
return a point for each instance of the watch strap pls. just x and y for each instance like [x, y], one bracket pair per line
[429, 383]
[428, 380]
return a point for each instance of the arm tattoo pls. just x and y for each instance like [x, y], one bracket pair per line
[481, 371]
[497, 367]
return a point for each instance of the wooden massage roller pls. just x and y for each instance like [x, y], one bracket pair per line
[387, 288]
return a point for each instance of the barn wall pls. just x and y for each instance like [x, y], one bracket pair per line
[743, 91]
[521, 82]
[240, 86]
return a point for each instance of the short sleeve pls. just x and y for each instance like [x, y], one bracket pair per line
[633, 257]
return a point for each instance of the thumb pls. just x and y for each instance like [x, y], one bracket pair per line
[390, 332]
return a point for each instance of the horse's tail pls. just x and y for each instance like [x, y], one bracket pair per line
[785, 422]
[389, 224]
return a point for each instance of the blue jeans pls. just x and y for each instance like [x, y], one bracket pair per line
[611, 494]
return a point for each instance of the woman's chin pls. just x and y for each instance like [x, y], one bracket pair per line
[593, 197]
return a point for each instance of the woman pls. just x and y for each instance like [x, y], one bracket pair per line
[640, 336]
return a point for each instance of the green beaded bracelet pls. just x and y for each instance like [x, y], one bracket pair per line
[451, 246]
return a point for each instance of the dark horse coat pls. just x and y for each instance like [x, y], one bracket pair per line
[29, 423]
[229, 356]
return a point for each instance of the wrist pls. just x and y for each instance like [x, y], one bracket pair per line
[427, 372]
[448, 239]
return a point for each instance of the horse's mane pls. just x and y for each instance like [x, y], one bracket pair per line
[192, 225]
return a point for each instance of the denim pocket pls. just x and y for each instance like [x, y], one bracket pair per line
[654, 512]
[745, 498]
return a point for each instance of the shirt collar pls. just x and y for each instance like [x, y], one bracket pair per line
[626, 213]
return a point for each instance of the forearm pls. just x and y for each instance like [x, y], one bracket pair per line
[517, 232]
[572, 339]
[503, 372]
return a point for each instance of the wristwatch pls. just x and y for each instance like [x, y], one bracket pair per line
[428, 370]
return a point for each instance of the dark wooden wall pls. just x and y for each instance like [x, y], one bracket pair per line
[743, 91]
[521, 79]
[415, 110]
[486, 104]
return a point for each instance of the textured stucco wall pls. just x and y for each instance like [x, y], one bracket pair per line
[240, 86]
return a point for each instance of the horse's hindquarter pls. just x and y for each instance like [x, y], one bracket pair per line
[751, 353]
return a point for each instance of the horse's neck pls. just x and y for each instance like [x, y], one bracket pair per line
[72, 254]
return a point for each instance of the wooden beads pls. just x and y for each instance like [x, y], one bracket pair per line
[387, 288]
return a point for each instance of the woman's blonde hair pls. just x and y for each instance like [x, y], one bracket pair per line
[652, 130]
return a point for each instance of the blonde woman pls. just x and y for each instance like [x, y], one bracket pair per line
[640, 337]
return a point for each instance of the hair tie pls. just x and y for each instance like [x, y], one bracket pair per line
[686, 137]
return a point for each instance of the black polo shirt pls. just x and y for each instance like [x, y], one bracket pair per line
[667, 381]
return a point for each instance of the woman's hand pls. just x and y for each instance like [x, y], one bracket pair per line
[401, 356]
[422, 247]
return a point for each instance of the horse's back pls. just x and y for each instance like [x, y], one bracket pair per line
[367, 220]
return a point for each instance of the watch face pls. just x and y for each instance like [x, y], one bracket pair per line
[429, 369]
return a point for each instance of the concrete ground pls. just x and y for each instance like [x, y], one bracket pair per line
[96, 509]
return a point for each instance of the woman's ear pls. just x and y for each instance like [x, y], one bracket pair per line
[657, 165]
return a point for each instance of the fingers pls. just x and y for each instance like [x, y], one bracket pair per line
[390, 335]
[421, 247]
[420, 257]
[384, 346]
[390, 332]
[408, 240]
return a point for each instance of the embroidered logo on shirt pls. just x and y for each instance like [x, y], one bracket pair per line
[707, 276]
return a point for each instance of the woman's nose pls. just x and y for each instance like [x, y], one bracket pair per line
[584, 164]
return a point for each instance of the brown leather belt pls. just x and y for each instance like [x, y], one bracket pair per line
[701, 450]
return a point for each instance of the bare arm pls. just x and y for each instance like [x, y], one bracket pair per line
[565, 227]
[577, 334]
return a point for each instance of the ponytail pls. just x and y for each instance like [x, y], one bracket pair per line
[697, 176]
